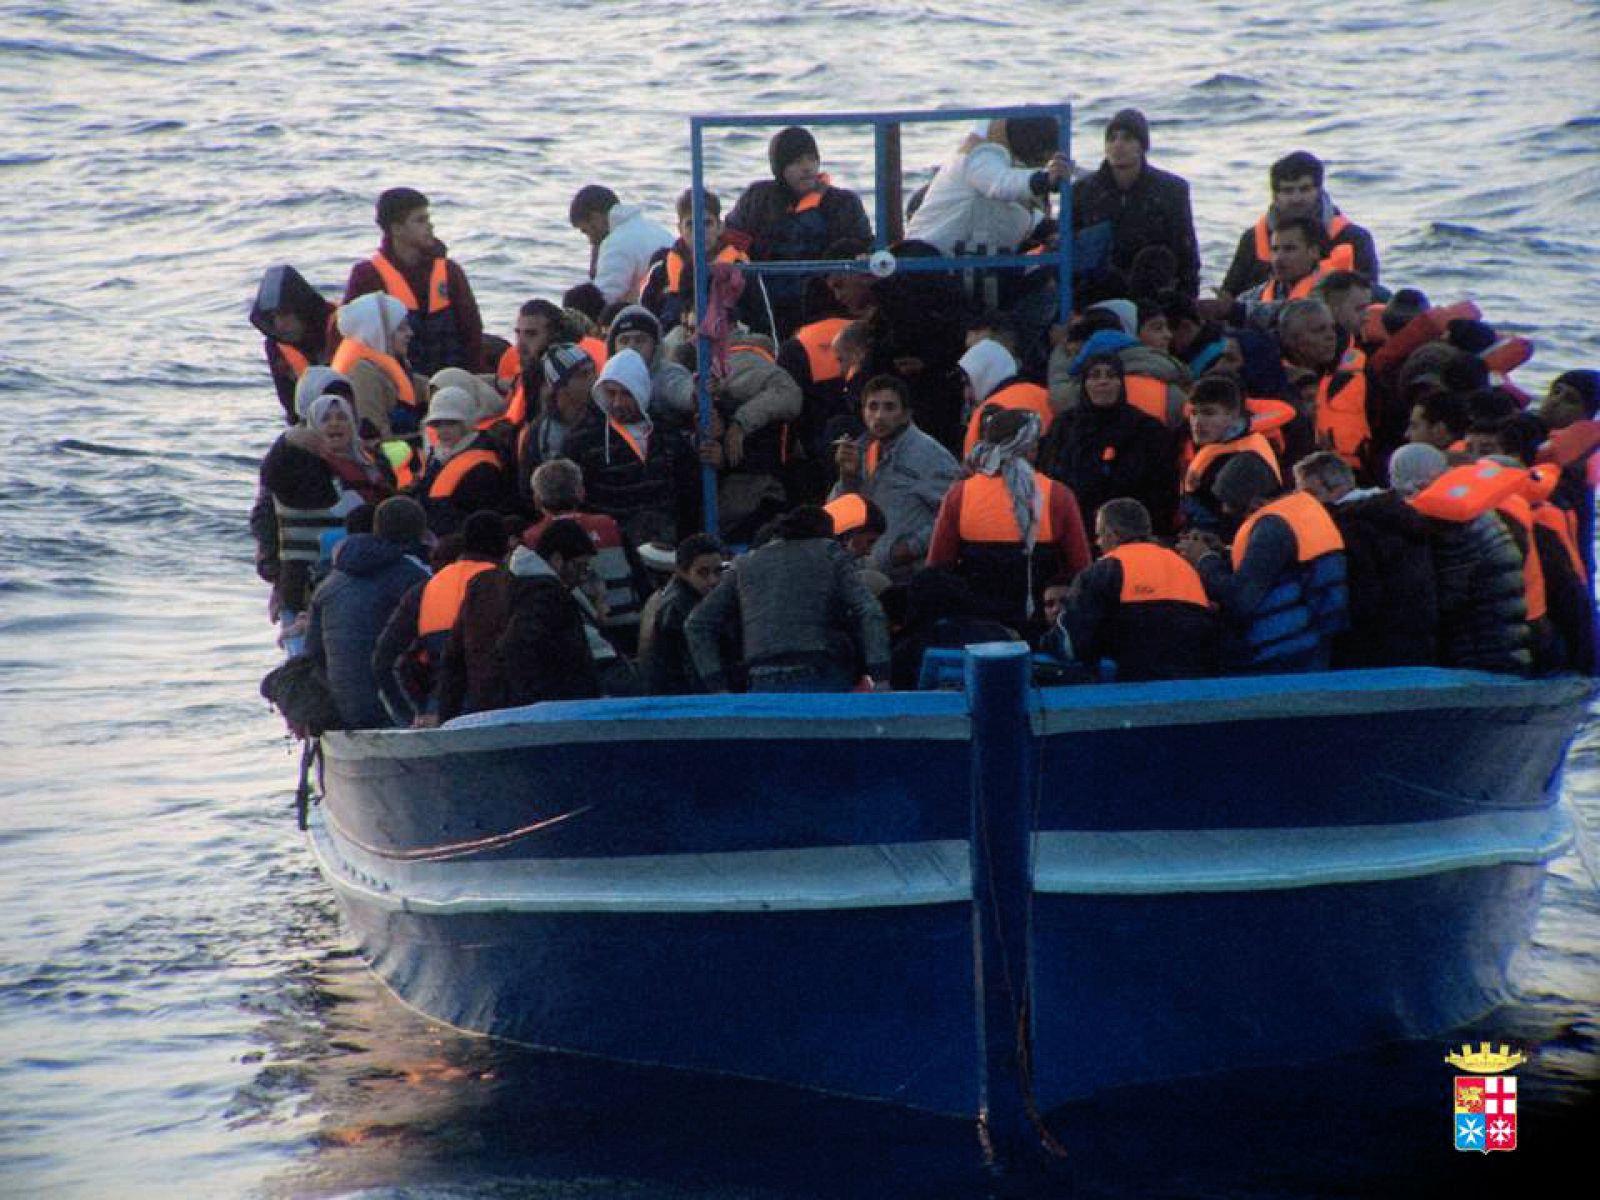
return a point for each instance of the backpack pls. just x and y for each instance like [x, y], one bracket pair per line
[299, 690]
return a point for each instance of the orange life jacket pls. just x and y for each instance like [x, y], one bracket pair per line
[442, 595]
[1340, 258]
[849, 513]
[1204, 456]
[453, 472]
[298, 363]
[678, 263]
[1343, 414]
[1563, 524]
[395, 284]
[1315, 534]
[1268, 416]
[1336, 226]
[816, 339]
[1148, 395]
[351, 352]
[1518, 509]
[1466, 492]
[595, 348]
[1151, 573]
[1028, 396]
[987, 515]
[509, 368]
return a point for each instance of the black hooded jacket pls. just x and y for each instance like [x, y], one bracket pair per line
[283, 288]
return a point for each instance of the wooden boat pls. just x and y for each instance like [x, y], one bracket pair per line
[986, 901]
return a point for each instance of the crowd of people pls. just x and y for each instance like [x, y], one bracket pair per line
[1306, 470]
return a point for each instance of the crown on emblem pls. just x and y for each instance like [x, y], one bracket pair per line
[1483, 1060]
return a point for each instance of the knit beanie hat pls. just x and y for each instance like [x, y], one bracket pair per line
[1130, 121]
[787, 145]
[636, 318]
[561, 360]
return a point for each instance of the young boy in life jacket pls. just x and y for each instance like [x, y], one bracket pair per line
[1220, 429]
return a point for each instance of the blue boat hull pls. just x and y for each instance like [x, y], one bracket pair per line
[816, 890]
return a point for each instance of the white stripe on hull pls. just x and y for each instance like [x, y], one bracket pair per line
[908, 874]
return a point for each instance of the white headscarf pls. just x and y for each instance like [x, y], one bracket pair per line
[311, 385]
[372, 320]
[317, 416]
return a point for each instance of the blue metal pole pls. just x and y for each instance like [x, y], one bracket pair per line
[702, 283]
[1003, 774]
[1064, 222]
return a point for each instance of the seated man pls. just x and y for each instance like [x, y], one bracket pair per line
[371, 573]
[795, 215]
[990, 192]
[1439, 419]
[462, 473]
[569, 375]
[664, 658]
[669, 288]
[407, 657]
[1343, 401]
[633, 470]
[622, 241]
[1140, 606]
[806, 619]
[1282, 589]
[544, 651]
[1221, 431]
[672, 388]
[1297, 250]
[1297, 191]
[900, 469]
[299, 328]
[1394, 607]
[411, 263]
[990, 374]
[558, 493]
[1483, 607]
[1145, 206]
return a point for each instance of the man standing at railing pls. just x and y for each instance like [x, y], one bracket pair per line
[1145, 206]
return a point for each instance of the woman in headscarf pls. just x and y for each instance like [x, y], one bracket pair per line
[1007, 528]
[372, 356]
[1106, 448]
[317, 473]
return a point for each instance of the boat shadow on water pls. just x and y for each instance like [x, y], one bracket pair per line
[397, 1105]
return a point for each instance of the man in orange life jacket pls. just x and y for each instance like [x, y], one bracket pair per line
[406, 660]
[797, 214]
[540, 324]
[669, 285]
[1297, 251]
[1282, 587]
[299, 330]
[412, 266]
[1220, 427]
[1569, 410]
[1344, 404]
[1140, 606]
[1297, 191]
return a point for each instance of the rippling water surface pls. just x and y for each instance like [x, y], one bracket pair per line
[177, 1015]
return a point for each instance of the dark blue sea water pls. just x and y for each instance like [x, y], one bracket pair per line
[178, 1013]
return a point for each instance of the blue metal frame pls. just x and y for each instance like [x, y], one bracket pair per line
[881, 123]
